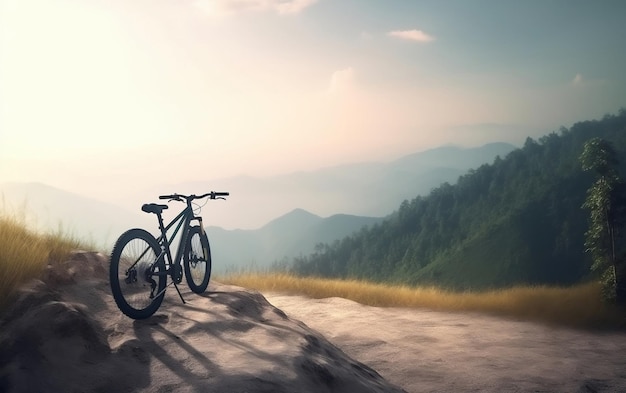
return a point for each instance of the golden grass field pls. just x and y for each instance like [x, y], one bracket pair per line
[25, 254]
[577, 306]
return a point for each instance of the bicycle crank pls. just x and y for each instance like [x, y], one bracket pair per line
[177, 273]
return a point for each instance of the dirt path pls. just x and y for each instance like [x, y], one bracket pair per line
[427, 351]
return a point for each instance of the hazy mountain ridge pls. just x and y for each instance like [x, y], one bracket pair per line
[362, 189]
[48, 208]
[366, 187]
[293, 234]
[453, 157]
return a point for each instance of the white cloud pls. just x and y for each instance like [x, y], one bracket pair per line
[291, 7]
[225, 7]
[578, 80]
[411, 35]
[341, 81]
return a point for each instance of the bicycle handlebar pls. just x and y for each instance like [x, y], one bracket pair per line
[189, 198]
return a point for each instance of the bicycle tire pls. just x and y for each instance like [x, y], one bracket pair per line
[134, 252]
[197, 260]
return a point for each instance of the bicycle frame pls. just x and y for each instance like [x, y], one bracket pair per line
[184, 219]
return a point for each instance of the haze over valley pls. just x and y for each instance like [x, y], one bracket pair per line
[268, 218]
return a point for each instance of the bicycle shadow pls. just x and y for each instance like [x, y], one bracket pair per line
[192, 348]
[235, 340]
[237, 313]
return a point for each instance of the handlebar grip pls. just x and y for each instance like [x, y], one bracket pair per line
[168, 196]
[221, 193]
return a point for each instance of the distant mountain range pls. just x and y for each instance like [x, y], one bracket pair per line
[47, 208]
[348, 196]
[296, 233]
[371, 189]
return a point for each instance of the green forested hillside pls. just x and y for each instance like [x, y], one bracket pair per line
[516, 221]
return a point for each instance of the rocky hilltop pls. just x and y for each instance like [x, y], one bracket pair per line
[65, 334]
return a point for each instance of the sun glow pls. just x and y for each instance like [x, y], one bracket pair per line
[70, 75]
[255, 87]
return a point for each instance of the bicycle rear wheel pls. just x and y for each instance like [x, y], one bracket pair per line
[197, 260]
[137, 275]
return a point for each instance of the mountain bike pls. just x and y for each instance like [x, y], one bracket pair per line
[141, 264]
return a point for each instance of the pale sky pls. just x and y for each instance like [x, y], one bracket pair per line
[98, 96]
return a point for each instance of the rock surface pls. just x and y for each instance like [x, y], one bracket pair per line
[65, 334]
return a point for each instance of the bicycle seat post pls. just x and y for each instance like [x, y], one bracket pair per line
[161, 226]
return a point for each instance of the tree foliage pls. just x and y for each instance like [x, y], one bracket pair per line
[605, 203]
[516, 221]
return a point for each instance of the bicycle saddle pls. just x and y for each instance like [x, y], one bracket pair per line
[153, 208]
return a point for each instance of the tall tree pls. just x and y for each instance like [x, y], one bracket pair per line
[606, 204]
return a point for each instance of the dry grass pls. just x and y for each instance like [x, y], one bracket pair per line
[579, 306]
[25, 253]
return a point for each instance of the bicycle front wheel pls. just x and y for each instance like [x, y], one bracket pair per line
[197, 260]
[137, 274]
